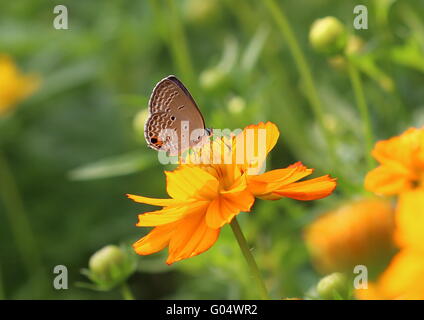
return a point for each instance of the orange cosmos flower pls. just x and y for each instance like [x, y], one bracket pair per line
[401, 164]
[401, 172]
[401, 280]
[13, 85]
[410, 220]
[205, 197]
[356, 233]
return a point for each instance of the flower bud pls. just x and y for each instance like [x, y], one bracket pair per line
[139, 121]
[109, 267]
[236, 105]
[328, 35]
[334, 286]
[212, 79]
[355, 45]
[201, 11]
[338, 62]
[103, 261]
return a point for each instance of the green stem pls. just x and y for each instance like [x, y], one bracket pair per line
[126, 292]
[254, 270]
[19, 223]
[304, 70]
[2, 291]
[179, 46]
[361, 102]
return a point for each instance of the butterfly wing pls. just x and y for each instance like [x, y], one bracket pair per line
[172, 108]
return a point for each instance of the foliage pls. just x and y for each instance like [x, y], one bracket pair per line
[74, 152]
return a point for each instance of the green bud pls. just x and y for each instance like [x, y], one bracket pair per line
[236, 105]
[354, 45]
[200, 11]
[328, 35]
[139, 121]
[212, 79]
[338, 62]
[109, 267]
[103, 261]
[334, 286]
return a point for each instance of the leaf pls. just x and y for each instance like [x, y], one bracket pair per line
[66, 78]
[113, 167]
[85, 285]
[133, 100]
[410, 55]
[253, 50]
[229, 55]
[367, 64]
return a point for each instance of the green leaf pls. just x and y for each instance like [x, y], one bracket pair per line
[113, 167]
[254, 49]
[410, 55]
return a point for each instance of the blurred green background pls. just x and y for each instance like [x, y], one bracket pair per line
[76, 147]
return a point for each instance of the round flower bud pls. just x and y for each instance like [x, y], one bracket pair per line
[328, 35]
[103, 261]
[139, 121]
[333, 286]
[200, 11]
[354, 45]
[211, 79]
[236, 105]
[338, 62]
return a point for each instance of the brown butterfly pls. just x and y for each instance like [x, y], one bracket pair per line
[175, 122]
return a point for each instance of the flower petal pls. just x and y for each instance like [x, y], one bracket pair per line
[223, 209]
[264, 185]
[399, 149]
[170, 214]
[401, 159]
[252, 146]
[272, 133]
[213, 214]
[410, 219]
[191, 237]
[154, 201]
[313, 189]
[191, 182]
[156, 240]
[230, 203]
[401, 280]
[387, 180]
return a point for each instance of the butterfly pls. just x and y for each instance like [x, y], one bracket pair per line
[175, 123]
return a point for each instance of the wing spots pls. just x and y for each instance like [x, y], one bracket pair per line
[156, 142]
[172, 118]
[181, 107]
[162, 97]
